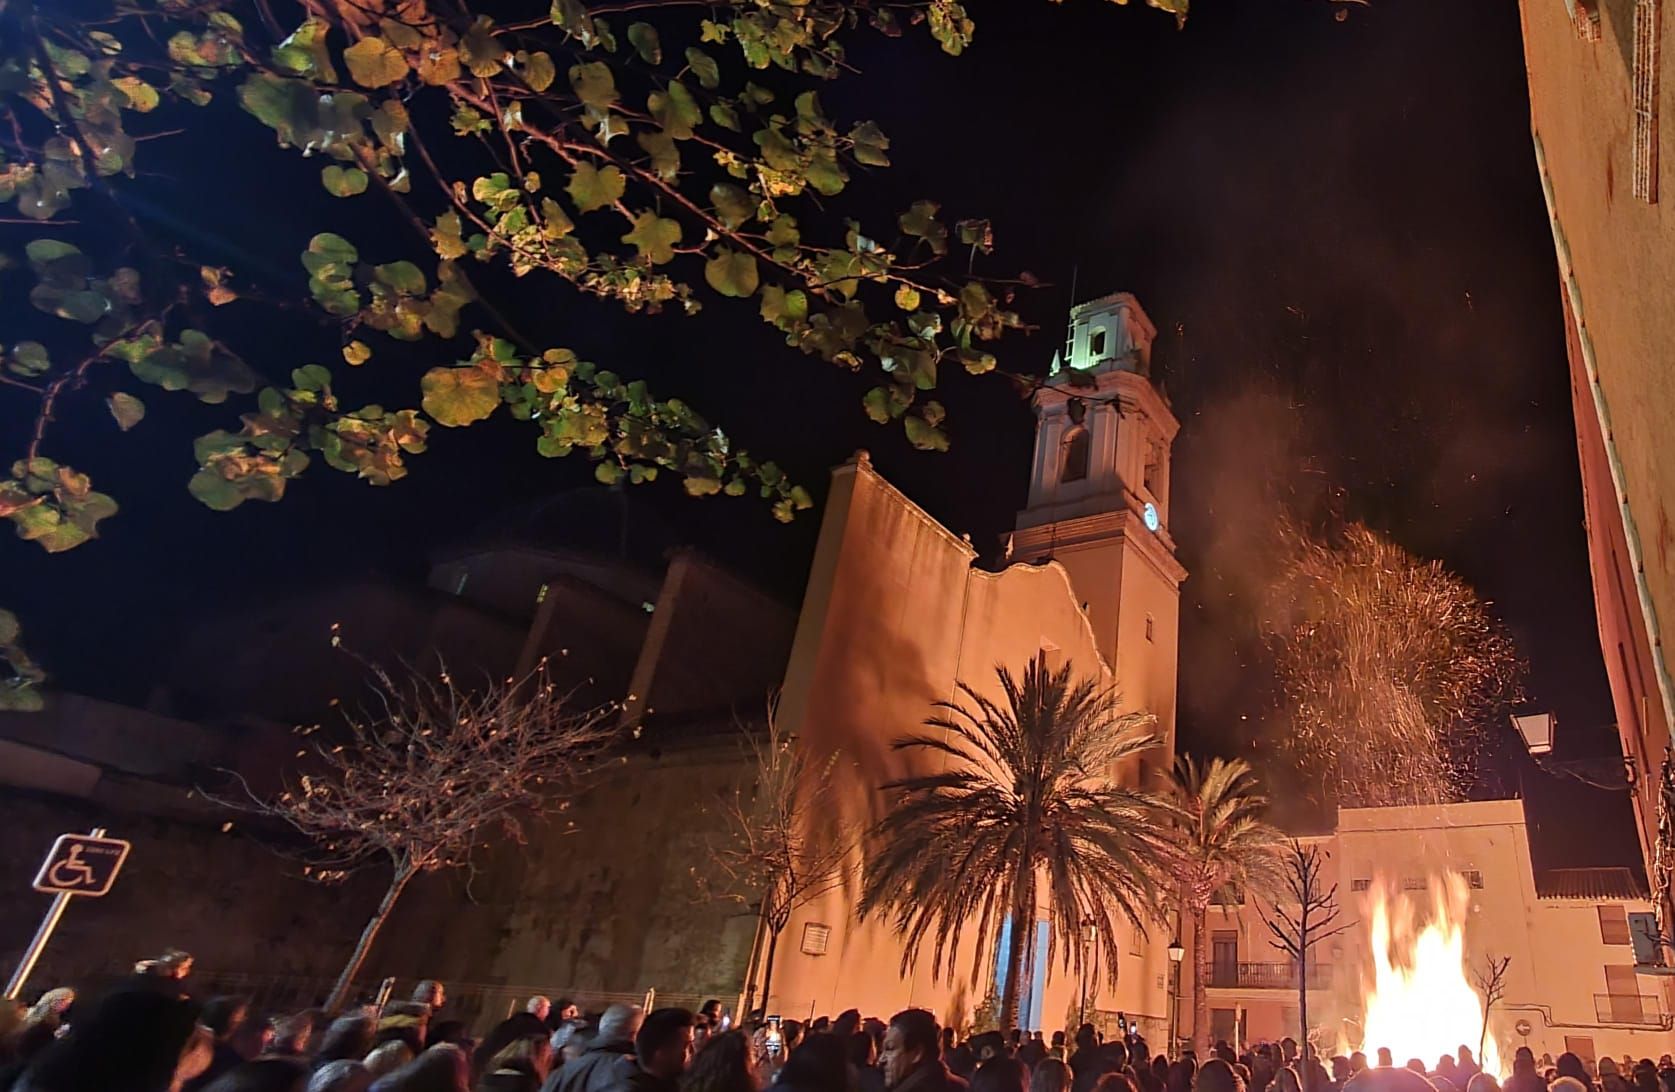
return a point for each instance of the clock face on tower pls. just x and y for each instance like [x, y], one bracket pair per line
[1149, 514]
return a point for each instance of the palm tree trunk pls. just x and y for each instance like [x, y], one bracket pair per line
[1023, 920]
[1200, 995]
[340, 989]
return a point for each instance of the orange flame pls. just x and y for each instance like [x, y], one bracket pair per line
[1421, 1004]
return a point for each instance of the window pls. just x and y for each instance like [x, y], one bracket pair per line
[1360, 884]
[1078, 446]
[1096, 344]
[815, 938]
[1582, 1046]
[1613, 925]
[1154, 467]
[1414, 883]
[1148, 627]
[1474, 879]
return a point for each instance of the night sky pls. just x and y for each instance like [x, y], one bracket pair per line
[1337, 228]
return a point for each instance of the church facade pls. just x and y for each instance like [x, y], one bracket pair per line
[897, 612]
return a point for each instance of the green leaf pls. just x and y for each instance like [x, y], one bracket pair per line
[304, 53]
[330, 247]
[214, 490]
[607, 473]
[127, 410]
[373, 62]
[40, 252]
[341, 182]
[594, 84]
[732, 273]
[877, 404]
[783, 308]
[356, 353]
[675, 110]
[700, 486]
[924, 436]
[404, 277]
[654, 237]
[142, 97]
[907, 298]
[868, 144]
[481, 50]
[725, 116]
[594, 188]
[459, 396]
[538, 72]
[665, 154]
[643, 37]
[311, 377]
[733, 205]
[920, 220]
[704, 67]
[29, 358]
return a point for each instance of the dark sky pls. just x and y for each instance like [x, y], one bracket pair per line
[1336, 226]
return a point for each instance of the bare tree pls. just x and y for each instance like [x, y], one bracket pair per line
[1490, 980]
[1296, 931]
[785, 842]
[421, 773]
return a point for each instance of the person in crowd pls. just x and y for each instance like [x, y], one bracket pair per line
[565, 1010]
[1482, 1082]
[1467, 1063]
[961, 1061]
[341, 1075]
[949, 1038]
[847, 1023]
[1049, 1075]
[911, 1057]
[348, 1038]
[1611, 1078]
[569, 1041]
[610, 1051]
[1342, 1070]
[387, 1057]
[1002, 1073]
[136, 1039]
[1568, 1084]
[1217, 1075]
[276, 1074]
[1447, 1068]
[1571, 1065]
[1285, 1080]
[541, 1008]
[405, 1022]
[820, 1064]
[1524, 1077]
[293, 1036]
[1085, 1070]
[172, 968]
[442, 1068]
[863, 1059]
[662, 1049]
[711, 1012]
[457, 1033]
[1116, 1082]
[791, 1034]
[1032, 1051]
[989, 1044]
[518, 1066]
[1385, 1060]
[224, 1017]
[1357, 1062]
[725, 1064]
[431, 994]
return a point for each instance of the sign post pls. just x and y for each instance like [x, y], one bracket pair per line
[77, 864]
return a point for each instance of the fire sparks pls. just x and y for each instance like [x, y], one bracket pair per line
[1391, 666]
[1420, 1003]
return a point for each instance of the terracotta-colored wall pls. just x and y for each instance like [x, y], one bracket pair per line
[894, 615]
[1616, 257]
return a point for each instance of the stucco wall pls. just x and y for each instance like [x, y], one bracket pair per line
[1617, 264]
[1558, 957]
[894, 615]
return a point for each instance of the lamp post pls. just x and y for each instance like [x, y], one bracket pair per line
[1176, 954]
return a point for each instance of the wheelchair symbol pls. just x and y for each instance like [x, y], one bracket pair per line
[72, 871]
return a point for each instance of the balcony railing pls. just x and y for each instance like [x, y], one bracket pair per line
[1643, 1010]
[1264, 976]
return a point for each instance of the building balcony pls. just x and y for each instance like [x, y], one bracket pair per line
[1264, 976]
[1641, 1010]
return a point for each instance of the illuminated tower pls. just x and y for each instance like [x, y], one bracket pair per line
[1099, 499]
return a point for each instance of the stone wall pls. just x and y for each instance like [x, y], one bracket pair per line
[225, 897]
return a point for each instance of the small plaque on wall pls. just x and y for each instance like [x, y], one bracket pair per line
[815, 938]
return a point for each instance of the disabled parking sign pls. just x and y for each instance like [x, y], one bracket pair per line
[80, 864]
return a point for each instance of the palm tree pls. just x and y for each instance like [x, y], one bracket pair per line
[1027, 794]
[1220, 843]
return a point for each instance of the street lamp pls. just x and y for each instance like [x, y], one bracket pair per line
[1176, 954]
[1537, 731]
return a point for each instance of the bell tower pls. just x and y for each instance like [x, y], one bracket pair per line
[1099, 499]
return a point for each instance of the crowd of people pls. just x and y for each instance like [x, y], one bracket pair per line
[150, 1034]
